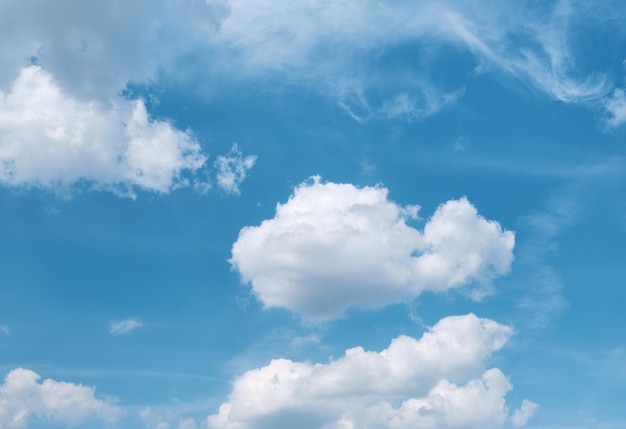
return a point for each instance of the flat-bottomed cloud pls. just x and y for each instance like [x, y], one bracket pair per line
[333, 246]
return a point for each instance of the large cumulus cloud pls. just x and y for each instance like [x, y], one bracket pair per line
[50, 140]
[336, 246]
[440, 380]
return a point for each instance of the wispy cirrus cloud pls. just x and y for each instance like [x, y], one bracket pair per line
[615, 107]
[346, 50]
[118, 327]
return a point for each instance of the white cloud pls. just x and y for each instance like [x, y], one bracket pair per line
[335, 246]
[125, 326]
[615, 106]
[5, 330]
[524, 413]
[95, 52]
[232, 169]
[23, 396]
[339, 48]
[437, 381]
[170, 417]
[50, 140]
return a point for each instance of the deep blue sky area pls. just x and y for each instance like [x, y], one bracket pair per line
[315, 214]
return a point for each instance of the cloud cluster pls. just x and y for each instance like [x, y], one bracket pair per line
[437, 381]
[232, 169]
[50, 140]
[349, 50]
[336, 246]
[23, 396]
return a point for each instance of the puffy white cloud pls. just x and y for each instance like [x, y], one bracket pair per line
[50, 140]
[124, 326]
[23, 396]
[5, 330]
[524, 413]
[232, 169]
[336, 246]
[437, 381]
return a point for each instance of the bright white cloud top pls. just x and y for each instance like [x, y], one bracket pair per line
[437, 381]
[24, 397]
[336, 246]
[50, 140]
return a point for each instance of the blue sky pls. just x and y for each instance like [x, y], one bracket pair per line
[315, 214]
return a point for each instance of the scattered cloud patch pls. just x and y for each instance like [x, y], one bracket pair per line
[341, 49]
[118, 327]
[440, 380]
[524, 413]
[5, 330]
[50, 140]
[615, 106]
[23, 397]
[232, 169]
[336, 246]
[169, 418]
[309, 339]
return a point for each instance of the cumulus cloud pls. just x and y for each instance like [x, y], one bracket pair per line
[524, 413]
[50, 140]
[232, 169]
[336, 246]
[437, 381]
[125, 326]
[23, 396]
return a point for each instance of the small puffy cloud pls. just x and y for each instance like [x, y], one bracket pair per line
[23, 396]
[232, 169]
[50, 140]
[437, 381]
[5, 330]
[118, 327]
[615, 106]
[336, 246]
[524, 413]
